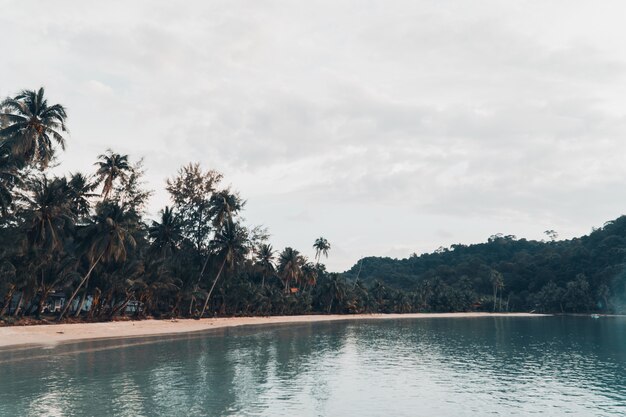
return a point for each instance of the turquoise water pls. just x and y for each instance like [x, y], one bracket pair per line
[553, 366]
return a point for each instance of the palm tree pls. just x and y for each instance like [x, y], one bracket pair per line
[80, 190]
[229, 244]
[166, 234]
[321, 247]
[335, 290]
[108, 239]
[497, 282]
[111, 166]
[309, 274]
[31, 127]
[50, 214]
[290, 266]
[265, 262]
[224, 205]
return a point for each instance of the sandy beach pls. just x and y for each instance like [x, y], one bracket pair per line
[47, 335]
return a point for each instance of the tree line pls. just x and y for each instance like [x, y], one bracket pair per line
[82, 246]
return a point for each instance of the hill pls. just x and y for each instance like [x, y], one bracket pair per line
[578, 275]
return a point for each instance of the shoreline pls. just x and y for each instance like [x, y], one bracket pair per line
[52, 335]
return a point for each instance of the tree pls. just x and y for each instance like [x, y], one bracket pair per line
[224, 205]
[229, 245]
[9, 179]
[111, 166]
[265, 262]
[191, 190]
[166, 234]
[80, 190]
[50, 216]
[107, 238]
[32, 127]
[497, 282]
[290, 266]
[321, 247]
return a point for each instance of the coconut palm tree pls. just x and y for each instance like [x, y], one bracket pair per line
[290, 266]
[111, 166]
[265, 262]
[50, 214]
[80, 190]
[229, 244]
[224, 205]
[108, 239]
[335, 289]
[321, 247]
[167, 234]
[309, 275]
[497, 282]
[31, 127]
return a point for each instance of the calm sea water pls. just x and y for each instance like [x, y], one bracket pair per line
[553, 366]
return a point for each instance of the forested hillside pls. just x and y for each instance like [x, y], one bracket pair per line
[578, 275]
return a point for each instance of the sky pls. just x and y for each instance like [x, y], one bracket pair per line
[389, 127]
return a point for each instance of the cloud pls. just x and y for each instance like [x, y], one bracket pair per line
[385, 126]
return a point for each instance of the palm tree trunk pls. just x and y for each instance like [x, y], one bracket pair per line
[69, 302]
[95, 303]
[206, 261]
[122, 306]
[206, 302]
[82, 301]
[44, 295]
[7, 300]
[19, 304]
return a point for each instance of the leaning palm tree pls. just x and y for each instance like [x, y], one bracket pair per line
[290, 266]
[229, 244]
[265, 261]
[321, 247]
[108, 239]
[166, 234]
[31, 126]
[111, 166]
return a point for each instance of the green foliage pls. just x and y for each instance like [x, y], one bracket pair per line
[59, 238]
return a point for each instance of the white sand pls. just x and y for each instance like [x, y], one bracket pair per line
[53, 334]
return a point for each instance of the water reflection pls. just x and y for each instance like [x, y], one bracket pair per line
[447, 367]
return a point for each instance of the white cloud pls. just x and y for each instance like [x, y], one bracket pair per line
[388, 127]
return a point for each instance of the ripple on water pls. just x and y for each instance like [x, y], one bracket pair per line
[442, 367]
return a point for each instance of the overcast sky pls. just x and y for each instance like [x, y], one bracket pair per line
[388, 127]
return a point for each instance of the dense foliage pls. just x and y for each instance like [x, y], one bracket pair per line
[576, 276]
[81, 246]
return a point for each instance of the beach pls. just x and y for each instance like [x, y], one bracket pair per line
[50, 335]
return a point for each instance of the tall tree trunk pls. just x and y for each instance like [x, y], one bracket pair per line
[206, 302]
[19, 304]
[69, 302]
[42, 300]
[7, 300]
[191, 303]
[206, 261]
[79, 309]
[95, 303]
[122, 306]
